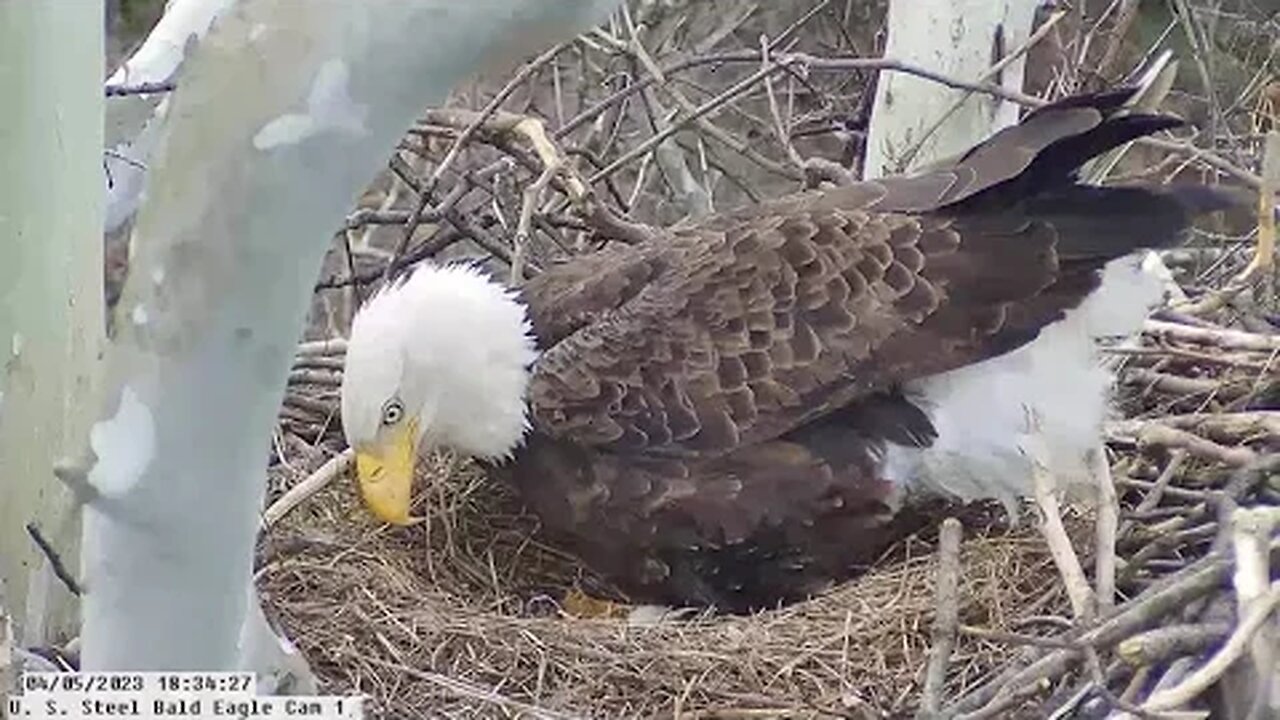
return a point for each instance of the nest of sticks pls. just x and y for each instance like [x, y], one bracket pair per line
[468, 612]
[1163, 603]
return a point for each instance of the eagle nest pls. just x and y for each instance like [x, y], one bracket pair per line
[467, 614]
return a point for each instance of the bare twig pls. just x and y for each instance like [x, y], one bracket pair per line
[532, 197]
[59, 568]
[1252, 529]
[318, 362]
[1156, 435]
[1164, 643]
[331, 346]
[1051, 527]
[533, 131]
[1265, 249]
[1012, 638]
[1197, 682]
[309, 404]
[1236, 427]
[809, 62]
[994, 71]
[1107, 523]
[786, 62]
[464, 688]
[1124, 20]
[333, 468]
[1227, 390]
[1208, 157]
[695, 199]
[779, 126]
[1243, 360]
[490, 109]
[1152, 498]
[1163, 597]
[1200, 53]
[1264, 254]
[427, 190]
[1217, 337]
[947, 602]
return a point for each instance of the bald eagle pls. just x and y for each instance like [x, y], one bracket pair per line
[741, 412]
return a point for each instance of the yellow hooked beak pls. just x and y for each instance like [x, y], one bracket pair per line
[385, 473]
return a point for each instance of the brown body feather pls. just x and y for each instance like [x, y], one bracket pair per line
[710, 409]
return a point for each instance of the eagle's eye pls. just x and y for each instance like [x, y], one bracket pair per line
[392, 412]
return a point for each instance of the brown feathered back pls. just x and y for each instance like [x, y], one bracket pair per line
[709, 407]
[751, 323]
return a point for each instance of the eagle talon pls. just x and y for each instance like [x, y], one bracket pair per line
[579, 604]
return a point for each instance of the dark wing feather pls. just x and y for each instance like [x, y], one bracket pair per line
[747, 326]
[769, 523]
[579, 292]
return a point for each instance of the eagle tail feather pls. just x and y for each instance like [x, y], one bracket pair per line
[1046, 150]
[1095, 224]
[1060, 162]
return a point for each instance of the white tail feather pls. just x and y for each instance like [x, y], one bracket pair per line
[981, 411]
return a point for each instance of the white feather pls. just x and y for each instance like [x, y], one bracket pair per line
[455, 347]
[981, 411]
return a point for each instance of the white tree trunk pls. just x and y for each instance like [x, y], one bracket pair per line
[284, 112]
[957, 38]
[131, 122]
[51, 316]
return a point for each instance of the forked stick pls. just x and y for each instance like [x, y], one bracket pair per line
[1051, 527]
[533, 131]
[945, 620]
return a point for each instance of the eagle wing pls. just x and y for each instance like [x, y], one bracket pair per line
[753, 323]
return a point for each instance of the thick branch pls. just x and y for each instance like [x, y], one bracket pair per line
[284, 112]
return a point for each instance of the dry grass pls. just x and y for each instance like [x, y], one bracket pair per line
[471, 596]
[461, 614]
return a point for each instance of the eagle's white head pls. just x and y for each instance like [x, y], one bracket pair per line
[440, 360]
